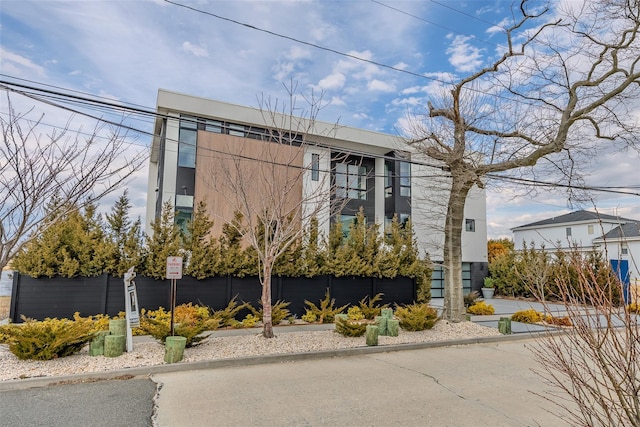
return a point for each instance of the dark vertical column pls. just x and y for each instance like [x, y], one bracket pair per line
[15, 297]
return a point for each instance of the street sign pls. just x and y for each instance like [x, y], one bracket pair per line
[174, 267]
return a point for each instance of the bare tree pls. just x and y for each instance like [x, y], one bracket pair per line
[562, 87]
[37, 168]
[595, 364]
[275, 182]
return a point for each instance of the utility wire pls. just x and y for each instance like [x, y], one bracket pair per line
[431, 22]
[523, 181]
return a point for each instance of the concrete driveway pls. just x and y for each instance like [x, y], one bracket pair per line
[474, 385]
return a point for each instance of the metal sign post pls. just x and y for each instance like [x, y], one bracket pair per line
[131, 306]
[174, 272]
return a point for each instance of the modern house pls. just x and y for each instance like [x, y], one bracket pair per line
[195, 138]
[618, 238]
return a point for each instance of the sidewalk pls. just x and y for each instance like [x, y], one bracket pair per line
[503, 307]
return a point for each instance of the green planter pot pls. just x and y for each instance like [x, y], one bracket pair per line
[174, 349]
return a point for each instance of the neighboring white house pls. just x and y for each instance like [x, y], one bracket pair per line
[371, 170]
[618, 238]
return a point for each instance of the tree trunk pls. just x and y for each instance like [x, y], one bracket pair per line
[267, 322]
[453, 309]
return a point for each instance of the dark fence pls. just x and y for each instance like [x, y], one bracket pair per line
[62, 297]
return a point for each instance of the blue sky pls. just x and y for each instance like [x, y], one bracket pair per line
[126, 50]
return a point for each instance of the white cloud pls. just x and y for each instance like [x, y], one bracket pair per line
[401, 66]
[332, 81]
[379, 85]
[361, 116]
[194, 49]
[336, 101]
[463, 56]
[12, 63]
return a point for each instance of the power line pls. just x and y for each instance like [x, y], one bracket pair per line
[431, 22]
[523, 181]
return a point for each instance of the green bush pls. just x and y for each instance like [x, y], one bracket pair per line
[354, 313]
[309, 317]
[250, 321]
[279, 311]
[634, 307]
[481, 308]
[189, 322]
[227, 316]
[351, 327]
[369, 307]
[48, 339]
[416, 316]
[327, 310]
[527, 316]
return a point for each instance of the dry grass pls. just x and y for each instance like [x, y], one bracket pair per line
[4, 307]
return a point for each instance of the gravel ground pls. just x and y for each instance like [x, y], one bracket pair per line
[150, 353]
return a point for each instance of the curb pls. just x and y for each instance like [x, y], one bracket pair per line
[143, 371]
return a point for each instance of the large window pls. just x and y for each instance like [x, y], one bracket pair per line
[351, 181]
[187, 143]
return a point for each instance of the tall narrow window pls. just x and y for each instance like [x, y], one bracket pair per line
[315, 167]
[187, 142]
[405, 179]
[590, 229]
[568, 231]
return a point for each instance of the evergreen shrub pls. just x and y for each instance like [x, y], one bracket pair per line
[48, 339]
[327, 310]
[369, 307]
[481, 308]
[279, 311]
[527, 316]
[351, 327]
[416, 316]
[189, 321]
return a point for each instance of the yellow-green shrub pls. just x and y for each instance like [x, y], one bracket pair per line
[634, 307]
[416, 316]
[227, 316]
[309, 317]
[279, 312]
[250, 321]
[351, 327]
[189, 322]
[50, 338]
[354, 313]
[527, 316]
[327, 310]
[481, 308]
[369, 307]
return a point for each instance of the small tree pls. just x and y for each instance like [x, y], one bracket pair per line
[263, 182]
[595, 363]
[125, 238]
[202, 250]
[165, 241]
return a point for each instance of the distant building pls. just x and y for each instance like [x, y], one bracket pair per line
[618, 238]
[371, 170]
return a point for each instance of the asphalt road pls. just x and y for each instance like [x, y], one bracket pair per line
[114, 403]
